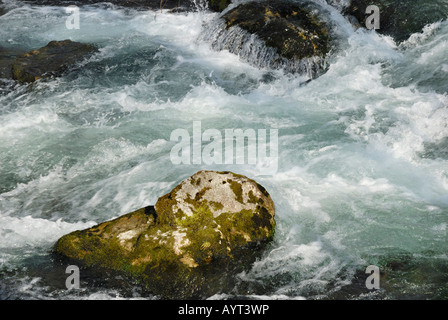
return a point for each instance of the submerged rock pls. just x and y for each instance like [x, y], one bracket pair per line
[3, 10]
[51, 60]
[274, 34]
[197, 236]
[7, 57]
[399, 18]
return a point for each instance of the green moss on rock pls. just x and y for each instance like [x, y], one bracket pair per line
[7, 58]
[293, 29]
[51, 60]
[193, 232]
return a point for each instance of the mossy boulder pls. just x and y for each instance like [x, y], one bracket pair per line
[400, 18]
[292, 29]
[190, 244]
[51, 60]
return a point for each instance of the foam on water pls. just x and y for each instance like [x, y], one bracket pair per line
[28, 237]
[361, 170]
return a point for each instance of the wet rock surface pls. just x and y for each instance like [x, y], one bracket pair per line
[51, 60]
[291, 29]
[399, 18]
[190, 244]
[7, 57]
[218, 5]
[275, 35]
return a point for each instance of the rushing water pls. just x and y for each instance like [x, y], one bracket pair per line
[362, 173]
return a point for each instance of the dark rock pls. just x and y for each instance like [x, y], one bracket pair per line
[218, 5]
[400, 18]
[7, 57]
[294, 31]
[189, 245]
[2, 9]
[51, 60]
[288, 36]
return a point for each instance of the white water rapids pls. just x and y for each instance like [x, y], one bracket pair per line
[362, 157]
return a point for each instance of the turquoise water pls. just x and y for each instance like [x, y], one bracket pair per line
[362, 174]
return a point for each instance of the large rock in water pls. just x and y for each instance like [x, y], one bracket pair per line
[51, 60]
[400, 18]
[274, 34]
[207, 228]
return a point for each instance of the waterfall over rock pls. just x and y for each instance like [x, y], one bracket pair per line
[272, 34]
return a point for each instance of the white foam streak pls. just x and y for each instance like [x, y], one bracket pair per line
[34, 232]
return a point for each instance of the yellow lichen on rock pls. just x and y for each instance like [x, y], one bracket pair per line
[204, 222]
